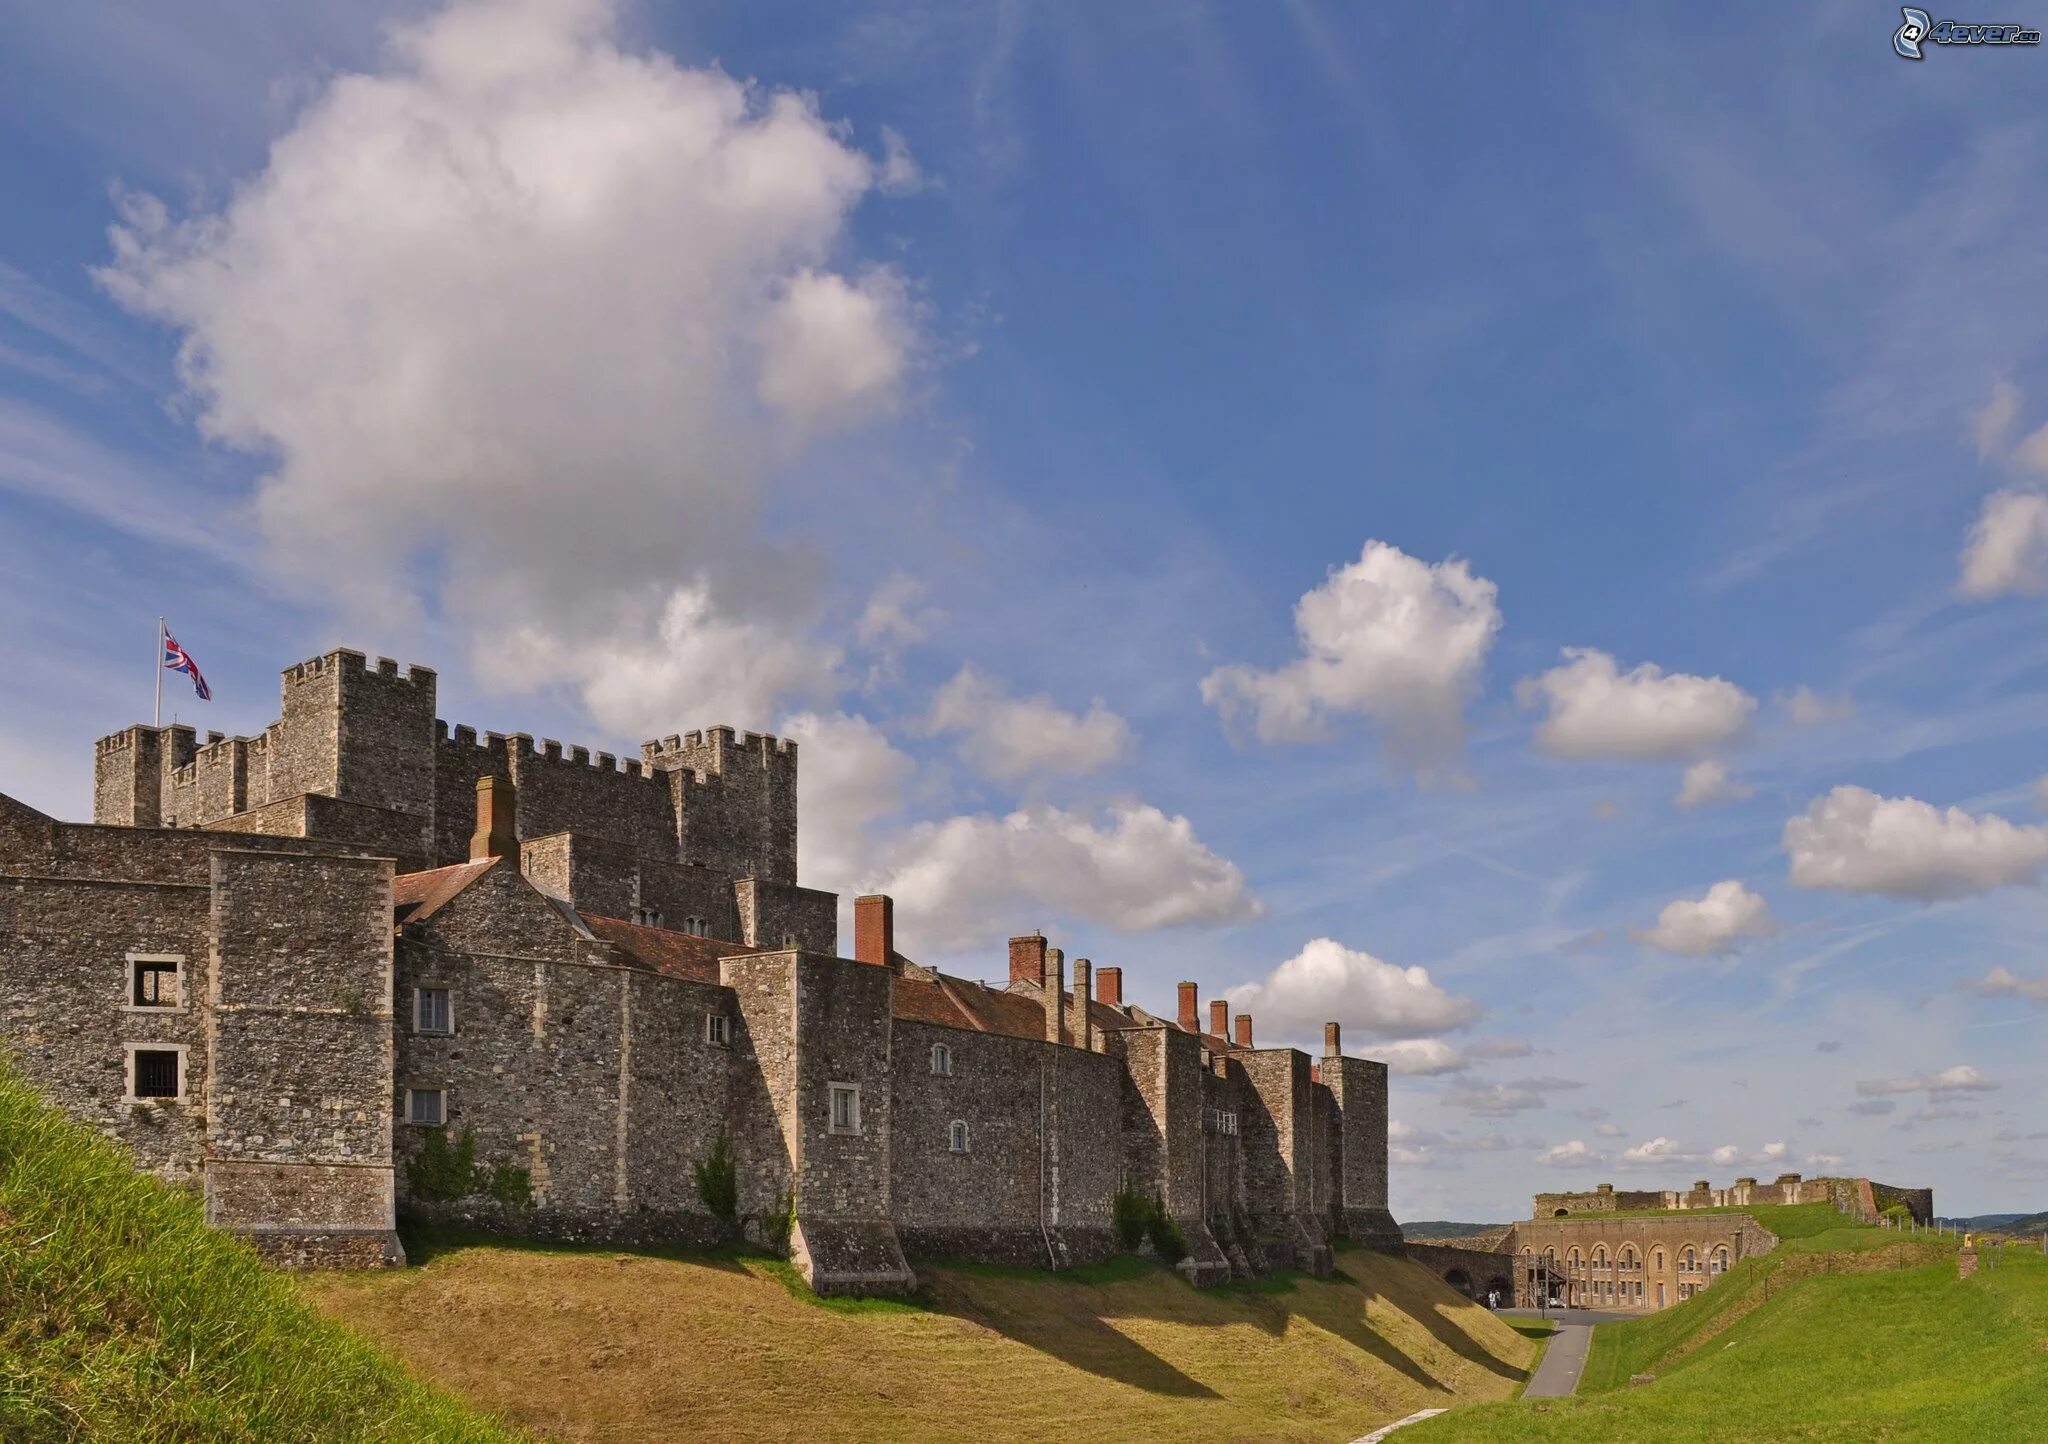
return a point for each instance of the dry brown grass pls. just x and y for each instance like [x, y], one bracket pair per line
[603, 1346]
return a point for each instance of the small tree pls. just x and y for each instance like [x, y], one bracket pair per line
[718, 1181]
[440, 1172]
[1131, 1213]
[1168, 1242]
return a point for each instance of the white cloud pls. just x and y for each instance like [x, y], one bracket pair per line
[1856, 841]
[2032, 452]
[1734, 1153]
[1807, 708]
[1657, 1152]
[1572, 1151]
[1597, 711]
[1960, 1079]
[1708, 782]
[1500, 1048]
[851, 776]
[1007, 738]
[2007, 549]
[2005, 983]
[1992, 423]
[1727, 1153]
[1419, 1057]
[1501, 1100]
[527, 324]
[1388, 637]
[968, 880]
[1714, 924]
[1374, 999]
[1824, 1160]
[893, 616]
[1609, 1130]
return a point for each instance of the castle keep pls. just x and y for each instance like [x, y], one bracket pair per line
[365, 963]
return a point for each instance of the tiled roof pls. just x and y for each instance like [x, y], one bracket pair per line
[664, 950]
[921, 1002]
[964, 1003]
[417, 896]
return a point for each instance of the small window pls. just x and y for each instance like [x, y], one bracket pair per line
[942, 1060]
[696, 927]
[157, 1073]
[433, 1011]
[153, 981]
[789, 940]
[717, 1030]
[647, 917]
[427, 1107]
[956, 1137]
[845, 1107]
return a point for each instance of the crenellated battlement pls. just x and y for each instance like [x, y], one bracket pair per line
[347, 663]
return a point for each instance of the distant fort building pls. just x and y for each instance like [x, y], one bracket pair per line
[364, 963]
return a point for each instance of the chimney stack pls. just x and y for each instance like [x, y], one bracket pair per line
[495, 835]
[1027, 958]
[1084, 1021]
[1189, 1022]
[1244, 1030]
[1109, 986]
[1219, 1018]
[1333, 1041]
[1055, 985]
[874, 929]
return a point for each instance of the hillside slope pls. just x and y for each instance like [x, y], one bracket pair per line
[1858, 1353]
[123, 1316]
[594, 1344]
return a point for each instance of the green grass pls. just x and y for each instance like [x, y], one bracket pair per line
[1812, 1345]
[1786, 1220]
[123, 1316]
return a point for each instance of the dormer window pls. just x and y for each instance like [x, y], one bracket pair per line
[647, 917]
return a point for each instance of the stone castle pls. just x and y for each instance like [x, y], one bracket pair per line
[365, 964]
[1640, 1250]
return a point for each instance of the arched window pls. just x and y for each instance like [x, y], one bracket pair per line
[956, 1137]
[1720, 1260]
[942, 1060]
[1572, 1260]
[1660, 1260]
[1685, 1259]
[1599, 1255]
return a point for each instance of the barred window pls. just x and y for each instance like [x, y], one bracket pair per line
[156, 1073]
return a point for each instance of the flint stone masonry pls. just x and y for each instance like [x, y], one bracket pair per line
[616, 976]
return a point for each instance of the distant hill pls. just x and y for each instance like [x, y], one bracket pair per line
[2000, 1222]
[1442, 1228]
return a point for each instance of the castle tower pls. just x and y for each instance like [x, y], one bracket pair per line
[735, 800]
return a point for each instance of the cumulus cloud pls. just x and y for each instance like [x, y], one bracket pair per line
[895, 615]
[1396, 640]
[1327, 980]
[852, 776]
[2007, 549]
[1731, 1153]
[1419, 1057]
[528, 323]
[1569, 1152]
[1708, 782]
[1007, 738]
[970, 880]
[1656, 1152]
[1594, 710]
[2003, 982]
[1714, 924]
[1960, 1079]
[1856, 841]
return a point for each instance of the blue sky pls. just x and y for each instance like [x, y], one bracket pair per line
[976, 391]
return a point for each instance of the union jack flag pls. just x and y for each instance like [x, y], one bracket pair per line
[177, 659]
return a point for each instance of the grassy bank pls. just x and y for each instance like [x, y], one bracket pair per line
[1840, 1348]
[123, 1316]
[601, 1344]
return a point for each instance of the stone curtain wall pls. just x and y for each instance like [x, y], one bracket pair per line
[1043, 1157]
[1472, 1272]
[1358, 1091]
[597, 1080]
[783, 915]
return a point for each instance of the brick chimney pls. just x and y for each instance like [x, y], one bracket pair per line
[874, 929]
[1219, 1017]
[495, 835]
[1055, 984]
[1084, 1021]
[1190, 1022]
[1244, 1030]
[1109, 986]
[1027, 958]
[1333, 1041]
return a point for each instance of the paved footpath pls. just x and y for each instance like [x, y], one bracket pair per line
[1558, 1374]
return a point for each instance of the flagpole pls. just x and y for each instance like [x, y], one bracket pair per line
[157, 714]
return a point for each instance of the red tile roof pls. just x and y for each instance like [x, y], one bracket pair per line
[417, 896]
[664, 950]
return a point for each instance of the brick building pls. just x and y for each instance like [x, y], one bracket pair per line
[303, 970]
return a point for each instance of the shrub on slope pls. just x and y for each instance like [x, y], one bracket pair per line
[123, 1316]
